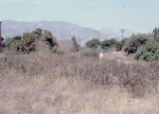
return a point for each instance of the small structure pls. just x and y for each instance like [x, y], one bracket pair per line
[101, 55]
[0, 37]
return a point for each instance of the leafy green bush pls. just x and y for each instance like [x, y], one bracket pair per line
[103, 45]
[118, 47]
[111, 43]
[134, 42]
[149, 52]
[11, 45]
[27, 43]
[108, 43]
[94, 43]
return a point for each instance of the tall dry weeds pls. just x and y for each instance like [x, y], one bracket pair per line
[137, 78]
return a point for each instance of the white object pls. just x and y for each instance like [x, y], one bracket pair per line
[101, 56]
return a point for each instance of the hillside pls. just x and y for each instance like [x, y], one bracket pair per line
[62, 30]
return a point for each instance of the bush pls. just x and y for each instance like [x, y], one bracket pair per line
[54, 50]
[94, 43]
[149, 52]
[12, 44]
[75, 45]
[134, 43]
[108, 43]
[27, 43]
[156, 33]
[90, 52]
[49, 39]
[59, 52]
[118, 47]
[122, 42]
[134, 83]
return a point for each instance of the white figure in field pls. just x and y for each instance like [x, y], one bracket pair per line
[101, 55]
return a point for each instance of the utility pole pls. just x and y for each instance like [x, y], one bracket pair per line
[0, 37]
[122, 33]
[123, 4]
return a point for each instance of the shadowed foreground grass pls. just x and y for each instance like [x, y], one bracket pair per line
[50, 84]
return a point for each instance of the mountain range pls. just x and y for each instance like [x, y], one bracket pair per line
[60, 29]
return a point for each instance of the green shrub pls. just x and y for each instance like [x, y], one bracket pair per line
[89, 52]
[54, 50]
[149, 52]
[134, 42]
[59, 52]
[111, 43]
[118, 47]
[27, 43]
[94, 43]
[108, 43]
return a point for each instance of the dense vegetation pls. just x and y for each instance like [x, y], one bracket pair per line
[28, 42]
[156, 33]
[141, 46]
[95, 46]
[106, 44]
[144, 46]
[148, 52]
[75, 45]
[94, 43]
[135, 42]
[136, 78]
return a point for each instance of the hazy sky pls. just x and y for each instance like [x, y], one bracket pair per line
[135, 15]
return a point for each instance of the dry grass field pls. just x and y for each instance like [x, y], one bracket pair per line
[42, 83]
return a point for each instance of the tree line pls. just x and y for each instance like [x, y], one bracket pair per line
[141, 46]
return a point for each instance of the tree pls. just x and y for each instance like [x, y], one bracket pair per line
[108, 43]
[94, 43]
[28, 41]
[75, 45]
[156, 33]
[49, 39]
[149, 52]
[37, 33]
[12, 44]
[134, 42]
